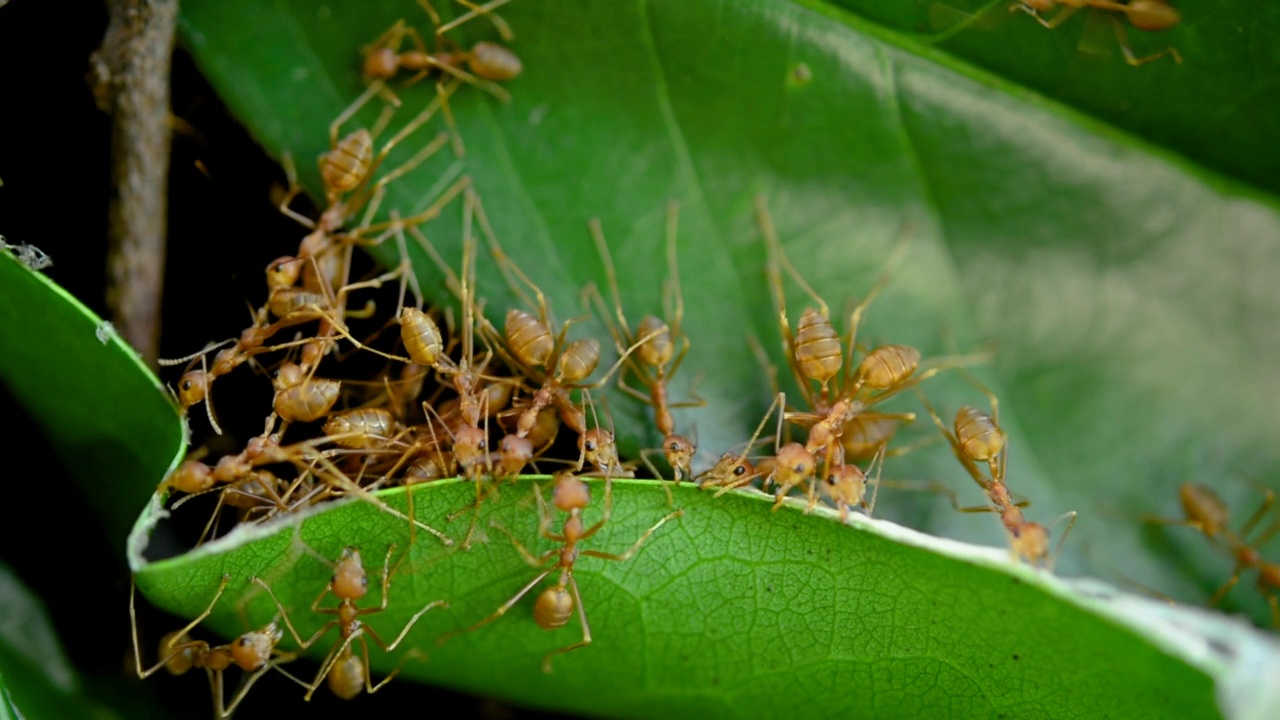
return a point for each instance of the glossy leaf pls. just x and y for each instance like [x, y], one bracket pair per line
[733, 610]
[1128, 295]
[1217, 107]
[103, 411]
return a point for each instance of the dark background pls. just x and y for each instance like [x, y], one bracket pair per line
[223, 230]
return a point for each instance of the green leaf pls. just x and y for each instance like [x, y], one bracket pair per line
[36, 680]
[1129, 292]
[731, 610]
[103, 411]
[1218, 107]
[1132, 351]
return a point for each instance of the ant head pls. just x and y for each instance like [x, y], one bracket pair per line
[381, 63]
[252, 650]
[516, 452]
[283, 272]
[1030, 540]
[192, 387]
[349, 582]
[191, 477]
[571, 493]
[795, 461]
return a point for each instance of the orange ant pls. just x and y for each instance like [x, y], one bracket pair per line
[657, 359]
[1205, 511]
[978, 438]
[556, 604]
[489, 61]
[254, 652]
[734, 470]
[558, 367]
[347, 170]
[1149, 15]
[815, 354]
[347, 673]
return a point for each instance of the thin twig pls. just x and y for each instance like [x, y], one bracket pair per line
[130, 80]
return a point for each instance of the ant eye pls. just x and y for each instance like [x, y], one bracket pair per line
[739, 470]
[675, 446]
[482, 445]
[186, 384]
[591, 446]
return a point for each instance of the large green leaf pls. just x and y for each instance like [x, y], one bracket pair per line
[1129, 293]
[732, 611]
[107, 416]
[1219, 107]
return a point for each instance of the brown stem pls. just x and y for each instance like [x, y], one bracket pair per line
[130, 79]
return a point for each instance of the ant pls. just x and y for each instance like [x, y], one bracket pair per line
[657, 359]
[815, 354]
[978, 438]
[254, 652]
[529, 347]
[488, 62]
[555, 605]
[1205, 511]
[1149, 15]
[347, 673]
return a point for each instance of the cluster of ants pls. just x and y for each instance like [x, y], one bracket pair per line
[518, 386]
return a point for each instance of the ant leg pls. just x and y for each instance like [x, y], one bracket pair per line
[412, 654]
[1134, 61]
[634, 548]
[329, 660]
[499, 24]
[1071, 522]
[502, 610]
[296, 638]
[644, 458]
[1226, 586]
[137, 654]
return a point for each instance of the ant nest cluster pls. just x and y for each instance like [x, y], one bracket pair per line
[469, 400]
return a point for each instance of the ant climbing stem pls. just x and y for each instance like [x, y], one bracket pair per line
[558, 603]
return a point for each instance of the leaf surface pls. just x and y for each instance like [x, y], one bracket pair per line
[108, 417]
[1127, 291]
[730, 610]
